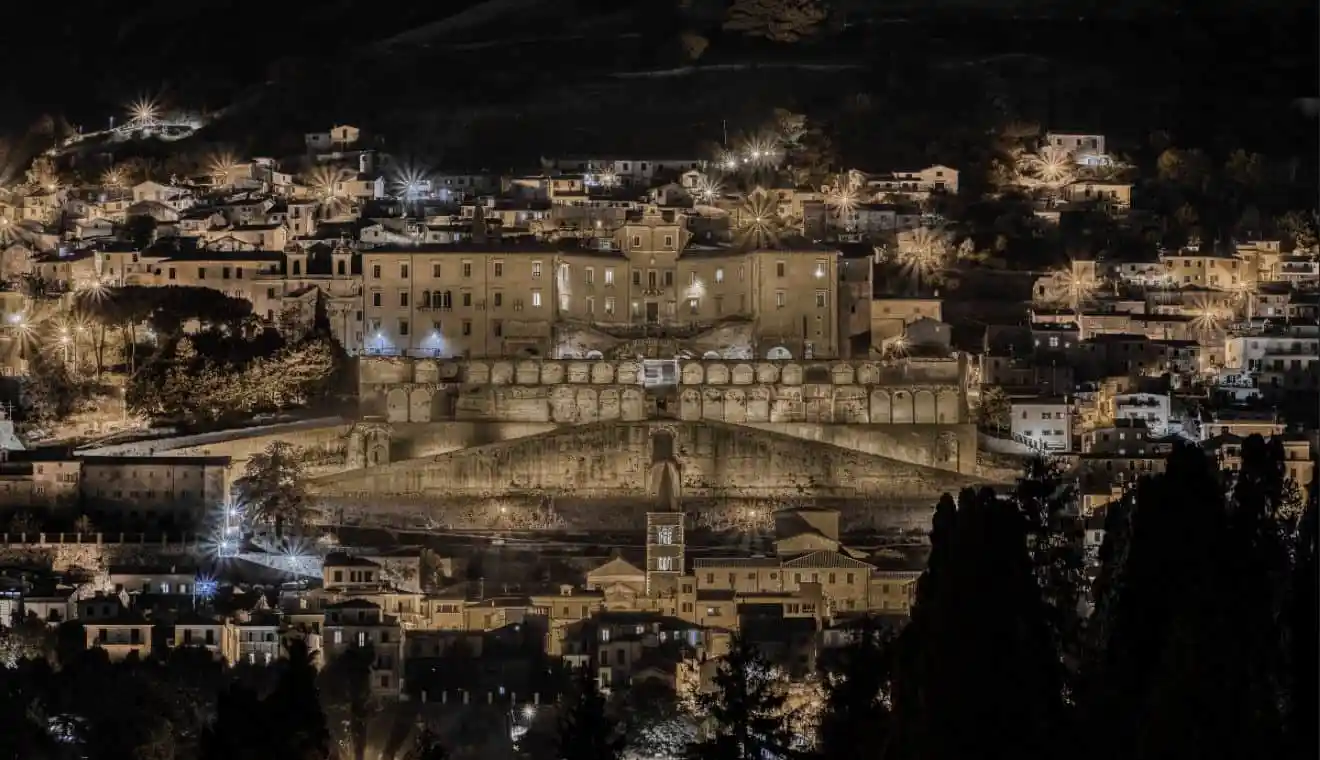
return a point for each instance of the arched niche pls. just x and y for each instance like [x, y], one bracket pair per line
[867, 374]
[419, 405]
[851, 405]
[626, 373]
[791, 374]
[717, 374]
[758, 403]
[426, 372]
[902, 408]
[588, 405]
[767, 373]
[881, 407]
[396, 405]
[742, 374]
[632, 405]
[552, 373]
[693, 374]
[712, 404]
[563, 404]
[602, 372]
[610, 404]
[778, 354]
[593, 355]
[689, 405]
[501, 373]
[735, 405]
[923, 407]
[947, 407]
[528, 372]
[478, 373]
[842, 374]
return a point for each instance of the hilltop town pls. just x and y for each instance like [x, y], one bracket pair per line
[610, 410]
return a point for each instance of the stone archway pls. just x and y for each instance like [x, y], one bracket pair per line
[665, 481]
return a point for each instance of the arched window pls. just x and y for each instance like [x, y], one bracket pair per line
[778, 353]
[594, 354]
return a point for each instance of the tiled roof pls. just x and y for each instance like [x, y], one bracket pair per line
[717, 562]
[826, 559]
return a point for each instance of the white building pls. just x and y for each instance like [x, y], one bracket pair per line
[919, 183]
[1088, 149]
[1294, 349]
[1043, 423]
[1151, 408]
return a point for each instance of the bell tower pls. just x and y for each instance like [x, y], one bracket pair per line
[664, 551]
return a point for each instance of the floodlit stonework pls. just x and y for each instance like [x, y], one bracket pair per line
[587, 443]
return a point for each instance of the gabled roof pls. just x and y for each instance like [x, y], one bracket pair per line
[616, 566]
[826, 559]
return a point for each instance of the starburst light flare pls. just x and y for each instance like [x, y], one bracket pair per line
[221, 167]
[1209, 316]
[757, 222]
[707, 190]
[327, 187]
[113, 177]
[410, 183]
[922, 253]
[761, 151]
[843, 198]
[144, 111]
[1080, 287]
[1050, 167]
[607, 178]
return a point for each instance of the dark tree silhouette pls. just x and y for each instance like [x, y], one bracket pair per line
[746, 710]
[586, 732]
[858, 680]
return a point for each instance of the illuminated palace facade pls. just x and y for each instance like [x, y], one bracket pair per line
[562, 300]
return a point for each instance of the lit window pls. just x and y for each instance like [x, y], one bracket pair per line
[664, 535]
[609, 276]
[692, 305]
[664, 564]
[821, 299]
[536, 298]
[719, 275]
[820, 269]
[781, 299]
[590, 276]
[536, 269]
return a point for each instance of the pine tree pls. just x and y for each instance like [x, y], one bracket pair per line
[273, 489]
[586, 732]
[746, 717]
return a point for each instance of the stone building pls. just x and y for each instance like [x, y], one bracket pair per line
[494, 298]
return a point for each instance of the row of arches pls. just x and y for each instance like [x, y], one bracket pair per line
[846, 405]
[568, 404]
[629, 372]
